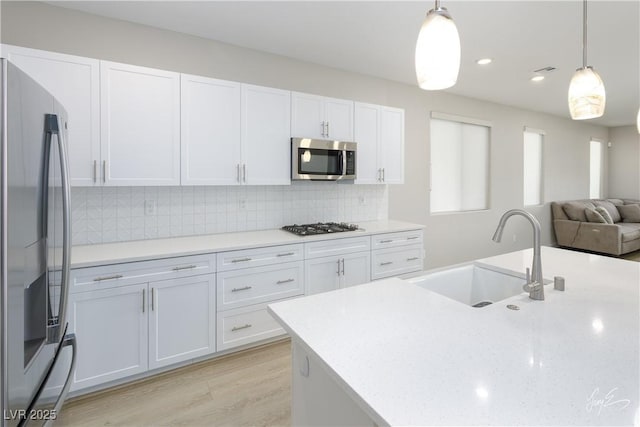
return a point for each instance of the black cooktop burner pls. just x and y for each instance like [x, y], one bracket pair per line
[319, 228]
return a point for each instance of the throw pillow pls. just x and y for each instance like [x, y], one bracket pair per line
[611, 208]
[594, 216]
[575, 210]
[605, 214]
[630, 213]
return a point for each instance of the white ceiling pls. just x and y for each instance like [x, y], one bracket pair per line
[378, 38]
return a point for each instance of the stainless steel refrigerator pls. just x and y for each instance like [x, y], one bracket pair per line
[35, 226]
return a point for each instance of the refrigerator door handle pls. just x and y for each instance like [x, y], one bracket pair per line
[69, 340]
[54, 127]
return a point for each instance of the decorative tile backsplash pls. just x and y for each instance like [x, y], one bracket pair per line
[115, 214]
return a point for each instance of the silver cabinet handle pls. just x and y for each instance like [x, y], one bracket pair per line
[238, 172]
[245, 288]
[238, 328]
[386, 263]
[240, 260]
[186, 267]
[153, 299]
[327, 129]
[244, 173]
[413, 237]
[104, 171]
[338, 272]
[280, 282]
[95, 171]
[343, 266]
[380, 175]
[115, 276]
[323, 128]
[386, 241]
[144, 293]
[383, 177]
[412, 258]
[287, 254]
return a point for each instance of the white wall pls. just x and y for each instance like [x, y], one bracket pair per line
[449, 238]
[624, 162]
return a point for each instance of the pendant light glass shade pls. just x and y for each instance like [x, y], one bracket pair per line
[638, 121]
[586, 95]
[586, 90]
[438, 51]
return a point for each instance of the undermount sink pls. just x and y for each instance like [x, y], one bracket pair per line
[472, 284]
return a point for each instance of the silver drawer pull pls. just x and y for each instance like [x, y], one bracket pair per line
[386, 241]
[115, 276]
[279, 282]
[186, 267]
[413, 237]
[241, 260]
[386, 263]
[287, 254]
[246, 288]
[412, 258]
[239, 328]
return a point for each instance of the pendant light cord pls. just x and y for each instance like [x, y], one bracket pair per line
[584, 34]
[437, 4]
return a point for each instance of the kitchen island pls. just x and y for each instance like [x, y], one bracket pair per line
[393, 353]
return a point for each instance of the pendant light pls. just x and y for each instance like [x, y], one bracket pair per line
[437, 50]
[638, 121]
[586, 91]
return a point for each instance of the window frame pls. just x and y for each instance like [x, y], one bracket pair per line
[541, 194]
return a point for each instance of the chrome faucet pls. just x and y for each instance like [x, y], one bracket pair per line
[534, 285]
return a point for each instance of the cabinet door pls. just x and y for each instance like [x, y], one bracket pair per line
[181, 319]
[356, 269]
[210, 129]
[339, 116]
[322, 275]
[111, 328]
[266, 135]
[307, 116]
[140, 126]
[391, 145]
[74, 81]
[367, 129]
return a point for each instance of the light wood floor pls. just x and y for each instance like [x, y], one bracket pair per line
[251, 388]
[633, 256]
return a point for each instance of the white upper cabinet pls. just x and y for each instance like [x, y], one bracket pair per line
[140, 125]
[74, 81]
[319, 117]
[266, 137]
[379, 132]
[210, 130]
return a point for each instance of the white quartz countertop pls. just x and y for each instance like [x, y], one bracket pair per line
[408, 356]
[140, 250]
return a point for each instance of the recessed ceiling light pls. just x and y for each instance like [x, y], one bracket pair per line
[484, 61]
[537, 78]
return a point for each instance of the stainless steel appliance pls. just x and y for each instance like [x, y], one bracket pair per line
[319, 228]
[35, 226]
[320, 160]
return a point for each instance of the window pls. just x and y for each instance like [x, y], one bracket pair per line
[532, 166]
[459, 164]
[595, 169]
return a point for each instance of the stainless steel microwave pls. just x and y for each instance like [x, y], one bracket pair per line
[320, 160]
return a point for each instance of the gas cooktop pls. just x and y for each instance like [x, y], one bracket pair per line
[319, 228]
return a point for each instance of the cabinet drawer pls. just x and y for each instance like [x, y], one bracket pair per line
[245, 325]
[235, 260]
[110, 276]
[239, 288]
[337, 247]
[391, 240]
[396, 261]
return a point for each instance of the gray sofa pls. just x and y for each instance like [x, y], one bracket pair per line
[573, 230]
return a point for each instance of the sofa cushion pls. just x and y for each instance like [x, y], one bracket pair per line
[575, 210]
[594, 216]
[605, 214]
[630, 213]
[611, 208]
[616, 201]
[629, 232]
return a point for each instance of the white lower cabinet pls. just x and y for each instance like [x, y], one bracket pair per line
[330, 273]
[181, 319]
[246, 325]
[111, 329]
